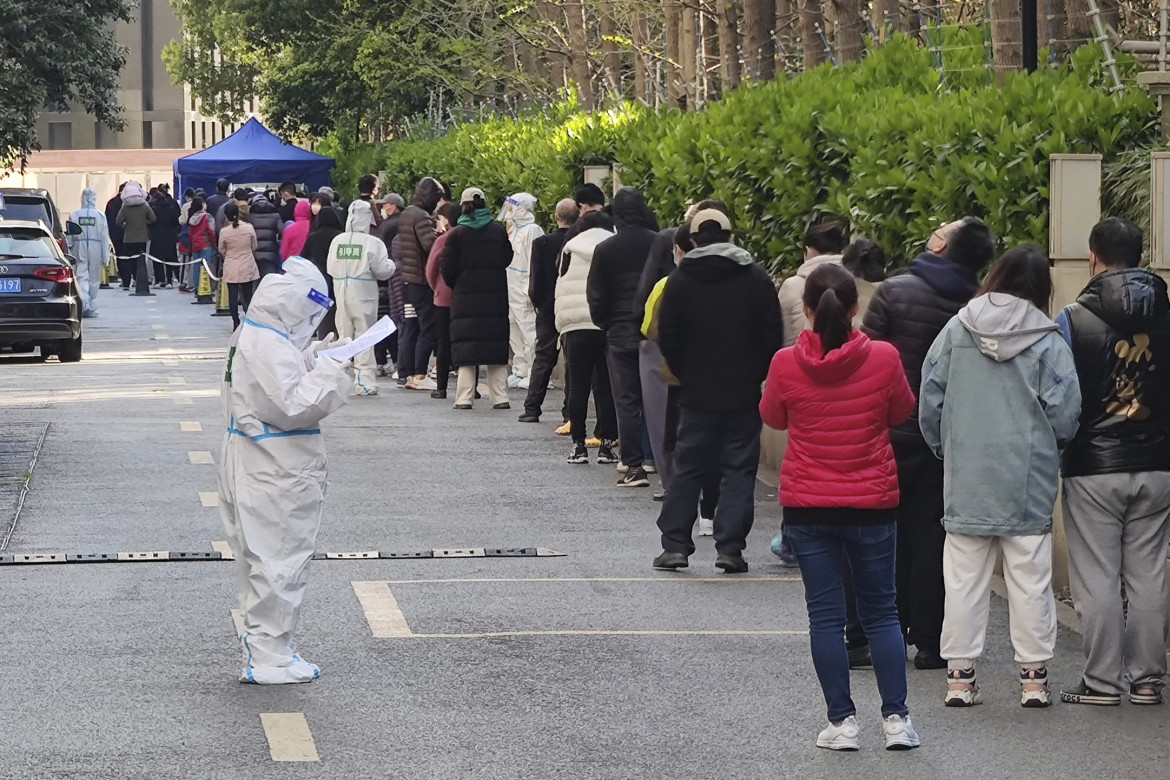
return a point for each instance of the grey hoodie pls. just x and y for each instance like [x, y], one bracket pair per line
[728, 250]
[1003, 326]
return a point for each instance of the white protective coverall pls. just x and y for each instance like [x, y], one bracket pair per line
[272, 466]
[357, 260]
[517, 216]
[91, 248]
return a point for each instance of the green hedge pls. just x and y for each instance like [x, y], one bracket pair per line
[879, 144]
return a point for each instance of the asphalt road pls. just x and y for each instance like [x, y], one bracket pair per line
[589, 665]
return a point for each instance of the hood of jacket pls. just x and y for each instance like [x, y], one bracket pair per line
[1003, 325]
[808, 266]
[518, 211]
[328, 218]
[1128, 300]
[196, 218]
[133, 194]
[261, 205]
[949, 279]
[427, 194]
[585, 242]
[303, 211]
[361, 217]
[836, 366]
[716, 262]
[283, 301]
[89, 198]
[736, 254]
[629, 210]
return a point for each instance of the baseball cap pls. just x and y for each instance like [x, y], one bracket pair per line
[710, 215]
[470, 193]
[393, 199]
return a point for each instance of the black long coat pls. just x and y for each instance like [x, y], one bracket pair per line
[474, 265]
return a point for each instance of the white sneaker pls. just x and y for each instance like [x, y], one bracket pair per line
[514, 380]
[426, 384]
[523, 383]
[900, 733]
[840, 736]
[706, 527]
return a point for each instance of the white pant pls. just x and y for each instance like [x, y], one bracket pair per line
[357, 311]
[89, 280]
[522, 319]
[968, 563]
[497, 382]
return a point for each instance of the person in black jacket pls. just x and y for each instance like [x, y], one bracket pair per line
[389, 208]
[288, 201]
[717, 302]
[416, 233]
[316, 250]
[613, 285]
[542, 287]
[1117, 470]
[117, 233]
[475, 266]
[909, 311]
[265, 218]
[217, 201]
[164, 236]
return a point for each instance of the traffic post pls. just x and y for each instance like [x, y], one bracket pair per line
[142, 275]
[221, 301]
[204, 293]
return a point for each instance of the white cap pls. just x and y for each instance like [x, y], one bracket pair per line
[469, 195]
[710, 215]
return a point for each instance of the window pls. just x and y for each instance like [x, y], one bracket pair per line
[60, 135]
[104, 137]
[192, 144]
[22, 242]
[147, 135]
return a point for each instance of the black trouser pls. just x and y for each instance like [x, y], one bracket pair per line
[416, 346]
[709, 499]
[920, 545]
[626, 378]
[543, 362]
[442, 347]
[164, 273]
[329, 323]
[386, 350]
[128, 262]
[239, 294]
[730, 442]
[586, 355]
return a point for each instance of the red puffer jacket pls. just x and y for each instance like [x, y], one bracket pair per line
[838, 409]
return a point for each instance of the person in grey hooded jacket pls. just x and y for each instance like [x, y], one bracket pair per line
[1000, 399]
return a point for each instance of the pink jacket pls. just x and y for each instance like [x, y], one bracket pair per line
[295, 235]
[434, 278]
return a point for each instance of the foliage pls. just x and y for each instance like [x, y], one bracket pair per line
[57, 54]
[885, 145]
[1125, 186]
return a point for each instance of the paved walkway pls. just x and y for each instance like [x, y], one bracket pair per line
[588, 666]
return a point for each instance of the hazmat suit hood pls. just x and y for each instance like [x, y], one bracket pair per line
[292, 303]
[1003, 325]
[361, 217]
[518, 211]
[427, 194]
[629, 210]
[89, 198]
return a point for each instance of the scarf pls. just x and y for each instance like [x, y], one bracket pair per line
[480, 219]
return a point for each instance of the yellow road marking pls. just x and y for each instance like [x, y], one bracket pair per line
[200, 458]
[224, 549]
[189, 426]
[289, 738]
[381, 609]
[209, 499]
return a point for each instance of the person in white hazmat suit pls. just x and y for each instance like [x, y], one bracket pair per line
[91, 248]
[517, 215]
[357, 261]
[276, 391]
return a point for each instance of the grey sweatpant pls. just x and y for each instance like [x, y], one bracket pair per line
[1118, 532]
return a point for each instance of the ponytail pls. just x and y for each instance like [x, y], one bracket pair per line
[831, 293]
[231, 212]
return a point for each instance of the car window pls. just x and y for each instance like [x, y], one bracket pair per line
[30, 210]
[26, 243]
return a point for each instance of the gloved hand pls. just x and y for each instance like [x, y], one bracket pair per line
[329, 342]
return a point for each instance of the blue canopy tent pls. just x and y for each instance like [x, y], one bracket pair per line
[249, 155]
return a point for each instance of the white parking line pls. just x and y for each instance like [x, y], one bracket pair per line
[176, 380]
[161, 337]
[289, 738]
[224, 549]
[159, 326]
[209, 500]
[381, 608]
[190, 426]
[183, 401]
[200, 458]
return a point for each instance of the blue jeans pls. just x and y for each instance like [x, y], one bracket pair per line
[822, 550]
[207, 254]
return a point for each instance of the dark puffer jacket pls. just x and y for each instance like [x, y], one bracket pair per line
[474, 265]
[617, 267]
[909, 311]
[659, 264]
[416, 226]
[1119, 329]
[265, 218]
[164, 233]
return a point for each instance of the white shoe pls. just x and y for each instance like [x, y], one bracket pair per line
[514, 380]
[900, 733]
[840, 736]
[523, 383]
[706, 527]
[426, 384]
[299, 671]
[622, 468]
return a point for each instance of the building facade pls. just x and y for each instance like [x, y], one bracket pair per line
[159, 114]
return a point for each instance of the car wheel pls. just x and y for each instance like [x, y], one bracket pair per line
[69, 350]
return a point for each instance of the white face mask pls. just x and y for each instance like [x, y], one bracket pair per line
[386, 213]
[316, 208]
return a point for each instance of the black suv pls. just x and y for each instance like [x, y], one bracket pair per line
[33, 205]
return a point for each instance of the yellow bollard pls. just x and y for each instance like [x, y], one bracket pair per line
[204, 294]
[221, 301]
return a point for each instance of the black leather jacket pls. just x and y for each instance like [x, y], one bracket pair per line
[1119, 329]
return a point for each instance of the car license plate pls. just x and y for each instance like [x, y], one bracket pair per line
[9, 285]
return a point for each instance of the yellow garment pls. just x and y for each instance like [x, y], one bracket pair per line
[650, 321]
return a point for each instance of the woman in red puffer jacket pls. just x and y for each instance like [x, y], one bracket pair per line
[837, 393]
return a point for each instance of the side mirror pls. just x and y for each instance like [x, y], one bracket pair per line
[72, 260]
[72, 228]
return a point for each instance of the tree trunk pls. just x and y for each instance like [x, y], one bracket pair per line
[850, 44]
[710, 61]
[1006, 43]
[887, 18]
[642, 73]
[812, 24]
[688, 43]
[1052, 32]
[1080, 24]
[728, 44]
[758, 20]
[579, 52]
[611, 56]
[675, 83]
[785, 34]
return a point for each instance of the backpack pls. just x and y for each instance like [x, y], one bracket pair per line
[185, 239]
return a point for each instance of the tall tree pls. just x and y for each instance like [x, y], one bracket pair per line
[689, 52]
[579, 51]
[728, 24]
[1006, 36]
[812, 27]
[675, 81]
[849, 41]
[758, 19]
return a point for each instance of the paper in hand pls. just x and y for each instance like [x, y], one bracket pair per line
[380, 330]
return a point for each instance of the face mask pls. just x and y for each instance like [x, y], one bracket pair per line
[316, 209]
[386, 214]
